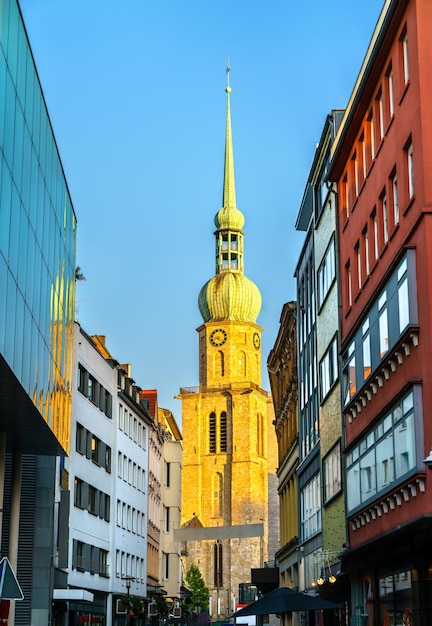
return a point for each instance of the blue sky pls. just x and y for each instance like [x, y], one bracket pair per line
[136, 95]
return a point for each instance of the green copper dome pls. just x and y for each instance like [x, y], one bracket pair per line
[229, 295]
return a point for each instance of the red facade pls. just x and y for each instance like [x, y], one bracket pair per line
[382, 164]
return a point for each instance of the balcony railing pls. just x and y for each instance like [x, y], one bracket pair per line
[230, 388]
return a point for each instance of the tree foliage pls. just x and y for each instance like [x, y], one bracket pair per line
[194, 582]
[163, 607]
[135, 605]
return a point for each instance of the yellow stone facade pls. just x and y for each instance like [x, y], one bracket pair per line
[228, 437]
[226, 427]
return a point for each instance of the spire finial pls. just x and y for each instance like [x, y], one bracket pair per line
[228, 69]
[229, 199]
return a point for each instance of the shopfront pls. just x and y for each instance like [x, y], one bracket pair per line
[391, 578]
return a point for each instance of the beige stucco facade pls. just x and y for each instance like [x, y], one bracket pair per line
[171, 486]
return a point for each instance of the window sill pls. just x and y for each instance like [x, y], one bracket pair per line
[410, 203]
[380, 145]
[366, 280]
[345, 224]
[373, 265]
[389, 125]
[333, 497]
[407, 84]
[394, 231]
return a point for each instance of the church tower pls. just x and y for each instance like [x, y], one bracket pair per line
[226, 421]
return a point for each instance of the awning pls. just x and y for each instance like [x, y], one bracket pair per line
[73, 594]
[285, 600]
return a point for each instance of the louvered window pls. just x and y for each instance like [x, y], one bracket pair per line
[223, 432]
[212, 432]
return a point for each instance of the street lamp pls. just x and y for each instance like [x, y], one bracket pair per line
[128, 580]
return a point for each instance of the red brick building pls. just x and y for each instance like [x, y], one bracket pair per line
[382, 164]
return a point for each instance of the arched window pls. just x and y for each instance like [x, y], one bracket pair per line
[223, 432]
[260, 435]
[221, 363]
[242, 363]
[212, 433]
[218, 564]
[218, 491]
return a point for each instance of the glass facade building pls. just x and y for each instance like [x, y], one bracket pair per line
[37, 257]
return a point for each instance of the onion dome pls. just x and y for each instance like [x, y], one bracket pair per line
[229, 296]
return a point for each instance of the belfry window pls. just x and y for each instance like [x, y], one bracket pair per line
[229, 254]
[218, 440]
[212, 432]
[223, 432]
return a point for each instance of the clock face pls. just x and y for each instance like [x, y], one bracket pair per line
[256, 340]
[218, 337]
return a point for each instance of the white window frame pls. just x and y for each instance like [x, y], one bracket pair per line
[381, 114]
[310, 501]
[326, 273]
[410, 170]
[391, 92]
[366, 249]
[385, 218]
[332, 470]
[359, 266]
[405, 58]
[328, 368]
[395, 200]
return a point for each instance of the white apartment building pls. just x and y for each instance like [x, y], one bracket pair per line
[102, 492]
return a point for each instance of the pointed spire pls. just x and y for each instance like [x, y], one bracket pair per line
[229, 195]
[229, 295]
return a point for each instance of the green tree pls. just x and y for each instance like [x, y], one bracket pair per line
[163, 607]
[194, 582]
